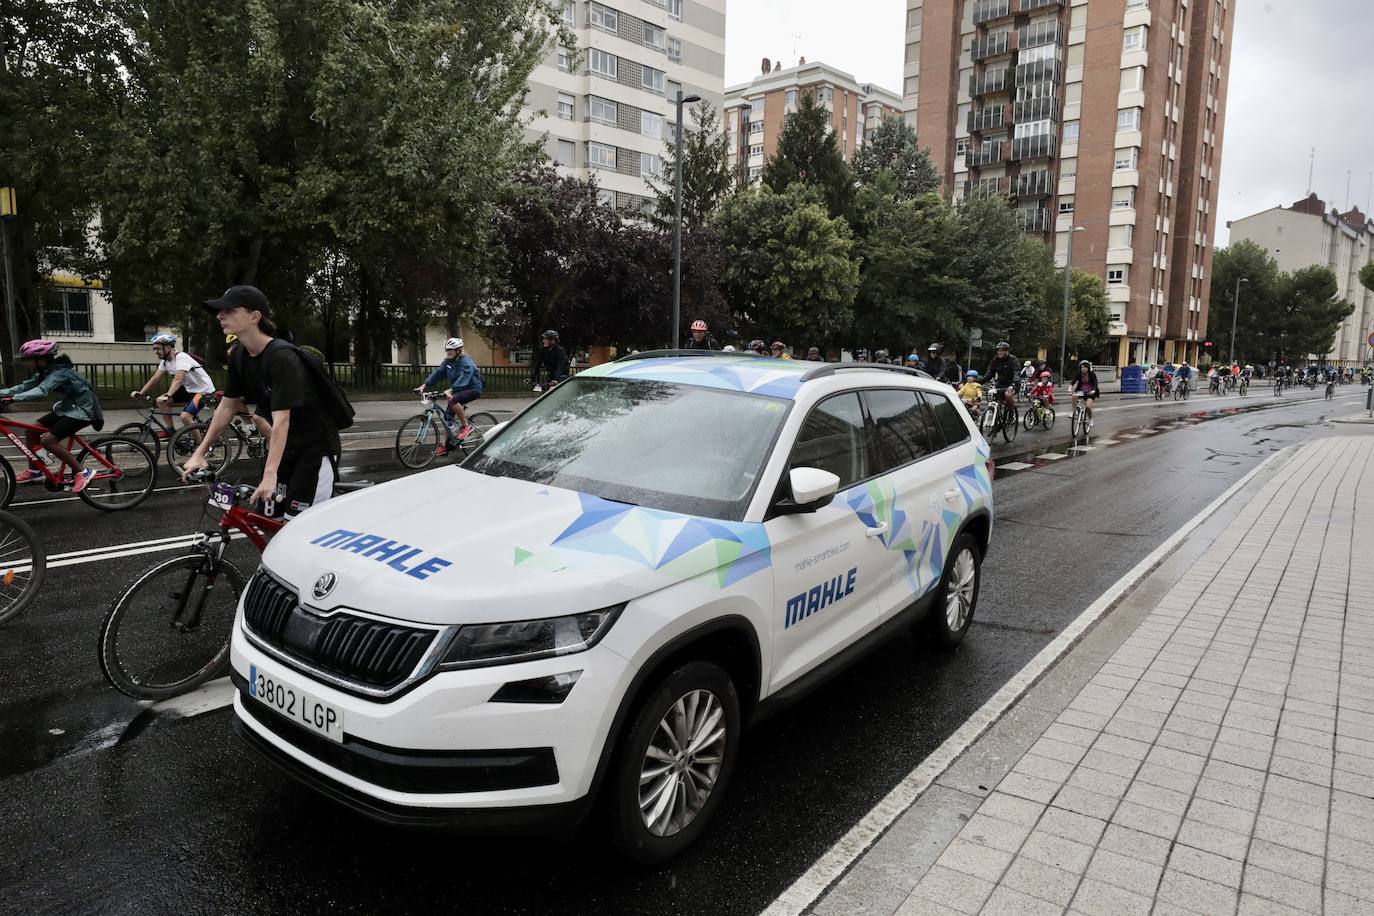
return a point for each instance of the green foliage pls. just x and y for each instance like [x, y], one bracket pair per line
[1367, 276]
[808, 154]
[893, 150]
[1291, 314]
[706, 178]
[790, 266]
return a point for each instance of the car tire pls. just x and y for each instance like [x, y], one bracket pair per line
[956, 598]
[628, 822]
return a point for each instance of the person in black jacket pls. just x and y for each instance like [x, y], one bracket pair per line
[1002, 371]
[934, 366]
[1085, 387]
[551, 356]
[701, 338]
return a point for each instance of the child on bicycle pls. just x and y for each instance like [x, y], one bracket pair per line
[464, 385]
[971, 393]
[190, 385]
[1044, 387]
[76, 408]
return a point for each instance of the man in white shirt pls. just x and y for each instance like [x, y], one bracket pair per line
[190, 385]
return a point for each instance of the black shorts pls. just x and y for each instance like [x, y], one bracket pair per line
[62, 427]
[465, 395]
[303, 482]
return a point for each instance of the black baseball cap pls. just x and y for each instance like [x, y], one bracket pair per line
[249, 297]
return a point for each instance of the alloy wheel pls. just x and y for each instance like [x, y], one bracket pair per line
[959, 593]
[682, 763]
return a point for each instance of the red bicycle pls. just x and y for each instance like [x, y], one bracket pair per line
[125, 472]
[169, 632]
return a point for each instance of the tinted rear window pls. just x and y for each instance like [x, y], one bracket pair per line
[947, 418]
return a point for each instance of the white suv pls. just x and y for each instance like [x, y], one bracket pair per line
[598, 600]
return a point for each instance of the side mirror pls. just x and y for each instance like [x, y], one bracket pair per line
[812, 489]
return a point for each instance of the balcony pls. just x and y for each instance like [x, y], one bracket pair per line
[988, 10]
[1030, 6]
[1036, 146]
[1040, 71]
[1042, 33]
[1040, 109]
[987, 187]
[991, 46]
[989, 152]
[987, 83]
[987, 119]
[1036, 219]
[1040, 183]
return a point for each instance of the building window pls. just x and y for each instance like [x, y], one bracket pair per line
[650, 165]
[602, 63]
[1120, 236]
[651, 125]
[672, 89]
[653, 80]
[1128, 119]
[1070, 131]
[565, 106]
[569, 12]
[602, 110]
[1116, 276]
[825, 95]
[791, 99]
[756, 149]
[605, 198]
[675, 9]
[755, 171]
[1066, 204]
[960, 147]
[1032, 128]
[1123, 198]
[600, 156]
[755, 127]
[66, 311]
[1133, 79]
[913, 83]
[564, 60]
[1133, 39]
[674, 48]
[1137, 4]
[1068, 168]
[567, 153]
[1126, 158]
[654, 37]
[604, 18]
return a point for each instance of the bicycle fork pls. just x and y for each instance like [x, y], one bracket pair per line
[188, 613]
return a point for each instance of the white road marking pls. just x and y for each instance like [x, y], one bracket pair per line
[24, 504]
[1052, 456]
[1014, 466]
[1127, 435]
[217, 694]
[1102, 442]
[1082, 448]
[133, 549]
[836, 861]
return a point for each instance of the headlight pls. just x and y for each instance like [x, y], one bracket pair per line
[526, 640]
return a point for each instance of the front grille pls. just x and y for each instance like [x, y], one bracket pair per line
[357, 649]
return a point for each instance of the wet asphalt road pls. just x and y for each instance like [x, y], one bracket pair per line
[176, 815]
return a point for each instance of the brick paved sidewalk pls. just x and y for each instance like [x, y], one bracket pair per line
[1222, 760]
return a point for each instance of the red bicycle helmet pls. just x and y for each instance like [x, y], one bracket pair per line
[698, 325]
[34, 348]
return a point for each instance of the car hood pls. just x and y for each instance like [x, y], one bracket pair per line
[453, 546]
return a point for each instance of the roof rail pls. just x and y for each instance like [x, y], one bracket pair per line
[654, 354]
[832, 368]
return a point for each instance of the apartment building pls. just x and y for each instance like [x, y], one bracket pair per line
[1307, 233]
[755, 111]
[1104, 115]
[608, 113]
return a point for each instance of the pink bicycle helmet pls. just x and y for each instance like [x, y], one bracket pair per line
[698, 325]
[34, 348]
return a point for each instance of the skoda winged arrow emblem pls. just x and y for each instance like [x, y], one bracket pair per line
[324, 585]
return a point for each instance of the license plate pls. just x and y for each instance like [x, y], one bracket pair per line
[295, 704]
[222, 496]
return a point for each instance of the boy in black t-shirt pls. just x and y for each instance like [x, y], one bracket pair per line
[303, 455]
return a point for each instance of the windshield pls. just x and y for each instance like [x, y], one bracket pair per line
[679, 448]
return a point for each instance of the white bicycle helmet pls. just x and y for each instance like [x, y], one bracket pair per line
[164, 339]
[453, 343]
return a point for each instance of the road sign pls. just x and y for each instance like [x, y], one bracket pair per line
[975, 334]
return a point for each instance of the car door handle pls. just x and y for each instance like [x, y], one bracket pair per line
[952, 495]
[877, 530]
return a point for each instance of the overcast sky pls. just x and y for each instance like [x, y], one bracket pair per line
[1301, 73]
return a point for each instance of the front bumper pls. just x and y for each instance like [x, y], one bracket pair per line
[443, 754]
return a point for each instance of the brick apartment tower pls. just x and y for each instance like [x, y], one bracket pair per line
[1027, 98]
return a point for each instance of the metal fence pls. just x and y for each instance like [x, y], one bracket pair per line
[116, 380]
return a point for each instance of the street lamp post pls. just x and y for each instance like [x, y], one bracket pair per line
[1064, 330]
[1235, 308]
[8, 210]
[677, 219]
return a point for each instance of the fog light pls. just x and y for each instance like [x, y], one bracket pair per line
[551, 689]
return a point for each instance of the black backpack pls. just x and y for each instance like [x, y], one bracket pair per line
[333, 399]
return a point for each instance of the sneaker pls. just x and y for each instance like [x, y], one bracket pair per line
[464, 432]
[82, 478]
[29, 475]
[441, 451]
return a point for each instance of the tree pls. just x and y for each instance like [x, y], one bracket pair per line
[893, 149]
[790, 266]
[808, 154]
[1367, 276]
[706, 178]
[1293, 315]
[1310, 311]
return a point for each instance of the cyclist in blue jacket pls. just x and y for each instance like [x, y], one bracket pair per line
[464, 385]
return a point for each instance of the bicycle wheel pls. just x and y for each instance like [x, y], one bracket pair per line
[1030, 418]
[1047, 417]
[7, 483]
[140, 433]
[222, 452]
[481, 423]
[169, 632]
[125, 473]
[417, 440]
[1011, 420]
[1187, 390]
[22, 564]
